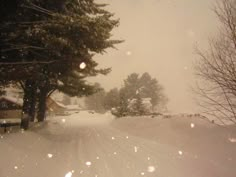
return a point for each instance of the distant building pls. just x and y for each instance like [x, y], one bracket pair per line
[10, 107]
[55, 108]
[14, 92]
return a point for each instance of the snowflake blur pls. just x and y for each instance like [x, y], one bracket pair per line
[180, 153]
[88, 163]
[192, 125]
[135, 149]
[151, 169]
[69, 174]
[50, 156]
[82, 65]
[128, 53]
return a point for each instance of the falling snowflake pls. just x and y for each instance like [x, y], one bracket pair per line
[151, 169]
[50, 156]
[69, 174]
[148, 158]
[115, 153]
[135, 149]
[63, 120]
[82, 65]
[128, 53]
[88, 163]
[142, 173]
[97, 157]
[112, 138]
[15, 167]
[192, 125]
[180, 153]
[127, 137]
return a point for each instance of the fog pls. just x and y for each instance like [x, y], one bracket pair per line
[160, 36]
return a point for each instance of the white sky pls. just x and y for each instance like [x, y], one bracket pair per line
[159, 38]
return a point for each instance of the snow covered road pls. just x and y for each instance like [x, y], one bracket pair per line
[87, 146]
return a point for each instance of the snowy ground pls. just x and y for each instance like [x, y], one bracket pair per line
[94, 145]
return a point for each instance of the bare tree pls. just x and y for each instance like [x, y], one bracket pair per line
[216, 67]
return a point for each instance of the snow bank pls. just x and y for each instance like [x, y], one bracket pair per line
[193, 134]
[91, 144]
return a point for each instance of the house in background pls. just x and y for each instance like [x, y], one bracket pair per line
[146, 105]
[10, 107]
[55, 108]
[11, 103]
[14, 92]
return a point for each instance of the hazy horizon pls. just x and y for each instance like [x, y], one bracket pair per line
[159, 39]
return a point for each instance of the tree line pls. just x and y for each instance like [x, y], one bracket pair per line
[129, 99]
[49, 45]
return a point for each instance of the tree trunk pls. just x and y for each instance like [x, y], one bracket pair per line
[42, 105]
[32, 110]
[27, 110]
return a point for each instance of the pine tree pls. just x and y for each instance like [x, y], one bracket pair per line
[47, 41]
[131, 85]
[152, 89]
[112, 99]
[137, 88]
[96, 101]
[138, 106]
[122, 109]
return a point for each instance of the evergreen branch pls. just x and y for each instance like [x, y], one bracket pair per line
[32, 62]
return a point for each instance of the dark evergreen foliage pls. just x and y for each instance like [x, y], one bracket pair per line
[46, 42]
[135, 89]
[95, 101]
[112, 99]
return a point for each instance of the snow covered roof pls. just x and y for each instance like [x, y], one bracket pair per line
[53, 101]
[13, 90]
[60, 104]
[17, 101]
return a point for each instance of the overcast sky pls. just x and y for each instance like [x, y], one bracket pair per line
[159, 38]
